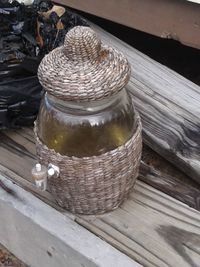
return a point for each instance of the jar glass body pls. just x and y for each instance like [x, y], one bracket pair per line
[86, 129]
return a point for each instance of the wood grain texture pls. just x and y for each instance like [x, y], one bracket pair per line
[17, 152]
[43, 237]
[171, 185]
[169, 106]
[177, 19]
[17, 157]
[151, 227]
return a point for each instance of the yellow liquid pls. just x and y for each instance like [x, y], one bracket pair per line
[84, 136]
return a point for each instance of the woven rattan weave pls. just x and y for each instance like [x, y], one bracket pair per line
[94, 185]
[83, 69]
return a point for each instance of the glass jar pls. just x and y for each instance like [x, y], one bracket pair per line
[88, 136]
[84, 129]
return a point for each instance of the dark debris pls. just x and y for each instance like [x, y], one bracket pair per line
[9, 260]
[27, 33]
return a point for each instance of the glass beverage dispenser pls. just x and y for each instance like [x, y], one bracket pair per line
[88, 134]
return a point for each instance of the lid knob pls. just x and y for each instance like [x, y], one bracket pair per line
[84, 68]
[82, 44]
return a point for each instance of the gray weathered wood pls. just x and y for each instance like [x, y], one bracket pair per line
[151, 227]
[170, 185]
[41, 236]
[146, 211]
[169, 106]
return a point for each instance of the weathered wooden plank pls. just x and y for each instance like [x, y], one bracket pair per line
[28, 186]
[169, 106]
[151, 227]
[17, 153]
[42, 236]
[170, 185]
[178, 20]
[140, 218]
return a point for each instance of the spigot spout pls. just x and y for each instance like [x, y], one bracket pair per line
[39, 174]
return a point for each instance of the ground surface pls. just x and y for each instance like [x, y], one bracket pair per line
[9, 260]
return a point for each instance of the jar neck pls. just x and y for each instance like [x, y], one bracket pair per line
[86, 107]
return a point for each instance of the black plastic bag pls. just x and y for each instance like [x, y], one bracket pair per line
[26, 35]
[19, 102]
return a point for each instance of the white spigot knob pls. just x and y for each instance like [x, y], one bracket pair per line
[38, 167]
[53, 171]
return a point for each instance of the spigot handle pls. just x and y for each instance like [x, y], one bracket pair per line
[53, 171]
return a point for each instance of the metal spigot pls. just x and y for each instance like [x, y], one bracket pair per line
[40, 173]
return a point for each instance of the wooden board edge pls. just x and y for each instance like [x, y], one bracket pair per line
[41, 236]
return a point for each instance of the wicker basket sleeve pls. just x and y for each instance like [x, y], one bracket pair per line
[97, 184]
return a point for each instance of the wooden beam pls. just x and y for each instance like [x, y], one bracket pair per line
[169, 106]
[178, 20]
[41, 236]
[152, 228]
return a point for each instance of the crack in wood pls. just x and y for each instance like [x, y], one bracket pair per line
[179, 239]
[170, 185]
[15, 147]
[7, 189]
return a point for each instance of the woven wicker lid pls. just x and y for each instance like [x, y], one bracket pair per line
[83, 69]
